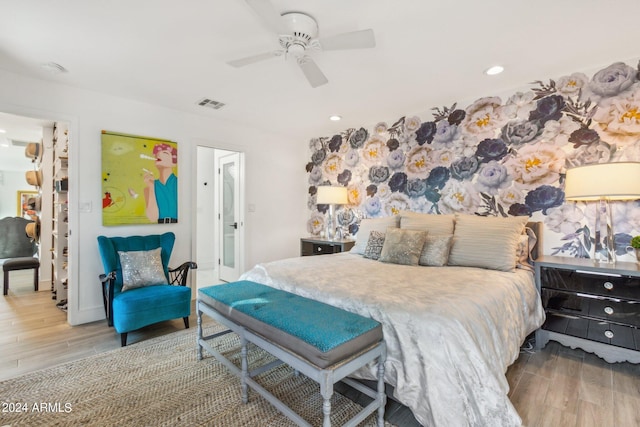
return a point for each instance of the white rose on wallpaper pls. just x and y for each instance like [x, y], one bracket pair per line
[445, 156]
[315, 224]
[492, 177]
[484, 118]
[446, 134]
[511, 195]
[412, 124]
[420, 204]
[315, 176]
[599, 152]
[570, 86]
[372, 207]
[610, 81]
[418, 162]
[396, 203]
[380, 128]
[395, 159]
[631, 152]
[619, 119]
[315, 144]
[626, 216]
[459, 196]
[565, 219]
[356, 194]
[557, 132]
[383, 191]
[332, 166]
[536, 165]
[374, 150]
[352, 157]
[519, 105]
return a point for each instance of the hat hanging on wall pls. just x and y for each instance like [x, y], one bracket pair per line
[34, 178]
[33, 230]
[33, 150]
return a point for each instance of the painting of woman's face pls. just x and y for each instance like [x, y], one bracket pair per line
[164, 159]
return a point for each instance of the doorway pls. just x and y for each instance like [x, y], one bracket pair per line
[219, 226]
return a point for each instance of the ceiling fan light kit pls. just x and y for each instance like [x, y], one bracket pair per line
[297, 34]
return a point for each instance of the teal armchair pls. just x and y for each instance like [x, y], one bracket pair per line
[131, 309]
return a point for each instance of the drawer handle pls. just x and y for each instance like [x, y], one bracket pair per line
[319, 248]
[608, 285]
[608, 310]
[608, 334]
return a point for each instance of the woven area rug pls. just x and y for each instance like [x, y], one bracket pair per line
[160, 382]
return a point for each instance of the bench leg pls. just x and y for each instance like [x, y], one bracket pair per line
[199, 328]
[326, 390]
[381, 393]
[245, 370]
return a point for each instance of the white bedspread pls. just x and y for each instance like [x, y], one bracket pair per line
[451, 332]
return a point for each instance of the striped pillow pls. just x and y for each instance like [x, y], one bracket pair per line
[486, 242]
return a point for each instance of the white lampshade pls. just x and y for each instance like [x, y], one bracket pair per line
[610, 181]
[331, 195]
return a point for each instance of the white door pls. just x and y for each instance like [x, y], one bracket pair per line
[229, 174]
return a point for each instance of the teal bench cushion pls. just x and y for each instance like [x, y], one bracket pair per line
[320, 333]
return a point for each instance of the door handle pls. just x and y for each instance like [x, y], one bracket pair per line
[234, 225]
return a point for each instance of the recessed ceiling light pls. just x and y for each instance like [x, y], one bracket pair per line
[496, 69]
[3, 131]
[335, 118]
[54, 68]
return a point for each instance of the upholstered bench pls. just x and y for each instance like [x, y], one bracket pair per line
[323, 342]
[22, 263]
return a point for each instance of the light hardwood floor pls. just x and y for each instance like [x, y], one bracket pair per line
[557, 386]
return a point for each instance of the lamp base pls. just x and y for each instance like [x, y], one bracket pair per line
[604, 249]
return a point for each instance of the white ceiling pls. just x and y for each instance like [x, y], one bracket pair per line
[428, 53]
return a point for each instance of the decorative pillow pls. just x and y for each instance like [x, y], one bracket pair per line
[402, 246]
[374, 245]
[368, 225]
[436, 251]
[526, 242]
[436, 225]
[141, 268]
[486, 242]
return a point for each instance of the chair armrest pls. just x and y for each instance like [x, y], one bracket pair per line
[107, 282]
[179, 274]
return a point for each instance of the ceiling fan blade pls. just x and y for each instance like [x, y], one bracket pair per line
[354, 40]
[269, 15]
[312, 72]
[237, 63]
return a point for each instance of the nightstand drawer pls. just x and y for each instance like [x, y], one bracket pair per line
[593, 330]
[573, 280]
[312, 246]
[572, 304]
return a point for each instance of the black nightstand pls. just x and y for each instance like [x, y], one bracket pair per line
[318, 246]
[593, 306]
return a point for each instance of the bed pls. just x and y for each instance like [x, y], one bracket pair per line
[451, 330]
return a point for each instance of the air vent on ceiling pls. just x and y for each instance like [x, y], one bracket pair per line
[210, 103]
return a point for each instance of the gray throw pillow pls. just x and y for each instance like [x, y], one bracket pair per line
[436, 251]
[374, 245]
[141, 268]
[402, 246]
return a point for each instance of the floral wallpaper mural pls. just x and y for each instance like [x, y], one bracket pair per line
[497, 157]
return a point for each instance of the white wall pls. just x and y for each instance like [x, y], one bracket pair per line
[275, 176]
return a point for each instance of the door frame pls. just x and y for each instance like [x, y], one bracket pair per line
[215, 224]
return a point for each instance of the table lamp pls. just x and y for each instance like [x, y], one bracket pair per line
[601, 183]
[328, 195]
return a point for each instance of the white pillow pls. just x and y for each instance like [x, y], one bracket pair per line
[436, 225]
[368, 225]
[486, 242]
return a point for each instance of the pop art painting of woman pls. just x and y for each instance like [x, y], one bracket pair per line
[139, 180]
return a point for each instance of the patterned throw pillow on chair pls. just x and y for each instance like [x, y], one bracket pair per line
[141, 268]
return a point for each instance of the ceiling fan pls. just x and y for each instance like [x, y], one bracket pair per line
[297, 33]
